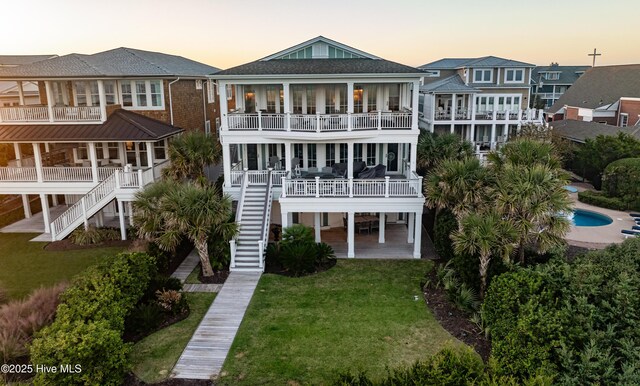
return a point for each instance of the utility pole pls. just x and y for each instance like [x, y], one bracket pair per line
[595, 53]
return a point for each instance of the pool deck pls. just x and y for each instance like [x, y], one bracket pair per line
[601, 236]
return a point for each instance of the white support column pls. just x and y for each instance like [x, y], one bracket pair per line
[20, 92]
[493, 135]
[54, 199]
[37, 157]
[93, 157]
[150, 154]
[417, 239]
[383, 221]
[16, 150]
[50, 101]
[452, 128]
[130, 205]
[103, 101]
[454, 106]
[287, 157]
[226, 164]
[351, 224]
[472, 134]
[46, 214]
[222, 93]
[287, 105]
[411, 222]
[123, 226]
[26, 206]
[414, 104]
[350, 97]
[317, 225]
[413, 160]
[349, 159]
[284, 219]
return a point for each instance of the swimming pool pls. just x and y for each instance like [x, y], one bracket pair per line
[587, 218]
[571, 189]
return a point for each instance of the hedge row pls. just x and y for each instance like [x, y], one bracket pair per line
[89, 323]
[599, 199]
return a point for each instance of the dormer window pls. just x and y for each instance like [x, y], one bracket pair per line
[482, 76]
[514, 75]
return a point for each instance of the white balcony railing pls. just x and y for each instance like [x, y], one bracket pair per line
[54, 174]
[341, 187]
[257, 177]
[320, 122]
[20, 114]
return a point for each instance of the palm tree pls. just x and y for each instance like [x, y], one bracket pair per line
[459, 185]
[484, 234]
[433, 148]
[525, 152]
[167, 211]
[190, 153]
[533, 199]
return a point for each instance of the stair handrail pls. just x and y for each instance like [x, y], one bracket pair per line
[232, 242]
[82, 205]
[262, 243]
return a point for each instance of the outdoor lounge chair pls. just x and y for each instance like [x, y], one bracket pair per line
[635, 228]
[381, 170]
[627, 233]
[340, 169]
[358, 166]
[367, 173]
[634, 214]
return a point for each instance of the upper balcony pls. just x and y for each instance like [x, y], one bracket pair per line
[43, 114]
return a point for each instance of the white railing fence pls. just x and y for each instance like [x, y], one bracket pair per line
[266, 221]
[18, 174]
[319, 122]
[76, 113]
[352, 188]
[24, 114]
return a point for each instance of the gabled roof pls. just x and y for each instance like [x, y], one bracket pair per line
[119, 62]
[600, 86]
[319, 39]
[122, 125]
[485, 61]
[568, 74]
[452, 84]
[579, 131]
[19, 60]
[320, 67]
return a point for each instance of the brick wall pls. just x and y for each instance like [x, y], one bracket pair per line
[631, 107]
[571, 113]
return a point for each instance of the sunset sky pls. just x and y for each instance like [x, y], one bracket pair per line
[227, 33]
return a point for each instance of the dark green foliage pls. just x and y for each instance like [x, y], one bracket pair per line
[599, 199]
[466, 267]
[145, 317]
[592, 158]
[297, 234]
[620, 180]
[163, 258]
[433, 148]
[324, 254]
[464, 297]
[298, 253]
[160, 283]
[447, 367]
[579, 319]
[90, 322]
[93, 235]
[298, 258]
[445, 224]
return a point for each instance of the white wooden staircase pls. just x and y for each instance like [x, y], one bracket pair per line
[253, 215]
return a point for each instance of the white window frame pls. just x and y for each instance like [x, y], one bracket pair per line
[432, 73]
[211, 95]
[624, 120]
[515, 71]
[480, 79]
[88, 94]
[229, 89]
[552, 75]
[134, 94]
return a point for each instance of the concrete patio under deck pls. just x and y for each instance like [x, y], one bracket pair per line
[367, 246]
[35, 224]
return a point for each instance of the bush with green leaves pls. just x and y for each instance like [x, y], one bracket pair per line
[445, 224]
[599, 199]
[576, 319]
[93, 235]
[620, 180]
[89, 322]
[298, 253]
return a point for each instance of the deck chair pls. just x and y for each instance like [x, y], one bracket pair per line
[627, 233]
[274, 161]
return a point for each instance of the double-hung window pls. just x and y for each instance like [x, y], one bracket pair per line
[483, 75]
[86, 93]
[142, 94]
[514, 75]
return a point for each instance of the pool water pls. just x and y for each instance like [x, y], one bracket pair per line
[571, 189]
[586, 218]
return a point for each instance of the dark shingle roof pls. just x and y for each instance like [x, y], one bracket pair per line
[319, 67]
[113, 63]
[122, 125]
[579, 131]
[600, 86]
[19, 60]
[485, 61]
[568, 74]
[450, 84]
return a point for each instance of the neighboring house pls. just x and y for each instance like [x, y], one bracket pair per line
[9, 91]
[483, 100]
[579, 131]
[607, 94]
[317, 114]
[548, 83]
[101, 126]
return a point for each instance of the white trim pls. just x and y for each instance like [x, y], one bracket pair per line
[134, 94]
[515, 71]
[432, 73]
[483, 70]
[626, 120]
[316, 40]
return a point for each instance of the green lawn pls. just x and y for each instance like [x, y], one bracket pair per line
[193, 276]
[360, 315]
[153, 357]
[25, 265]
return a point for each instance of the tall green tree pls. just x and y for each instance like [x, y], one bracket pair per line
[433, 148]
[190, 153]
[167, 211]
[592, 158]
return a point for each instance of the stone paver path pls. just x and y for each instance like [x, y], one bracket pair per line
[208, 348]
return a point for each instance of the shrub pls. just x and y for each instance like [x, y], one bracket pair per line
[324, 254]
[466, 267]
[598, 199]
[297, 234]
[93, 235]
[620, 180]
[298, 258]
[3, 296]
[445, 224]
[171, 301]
[94, 345]
[144, 318]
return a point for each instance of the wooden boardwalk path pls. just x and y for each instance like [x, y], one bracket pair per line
[208, 348]
[186, 267]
